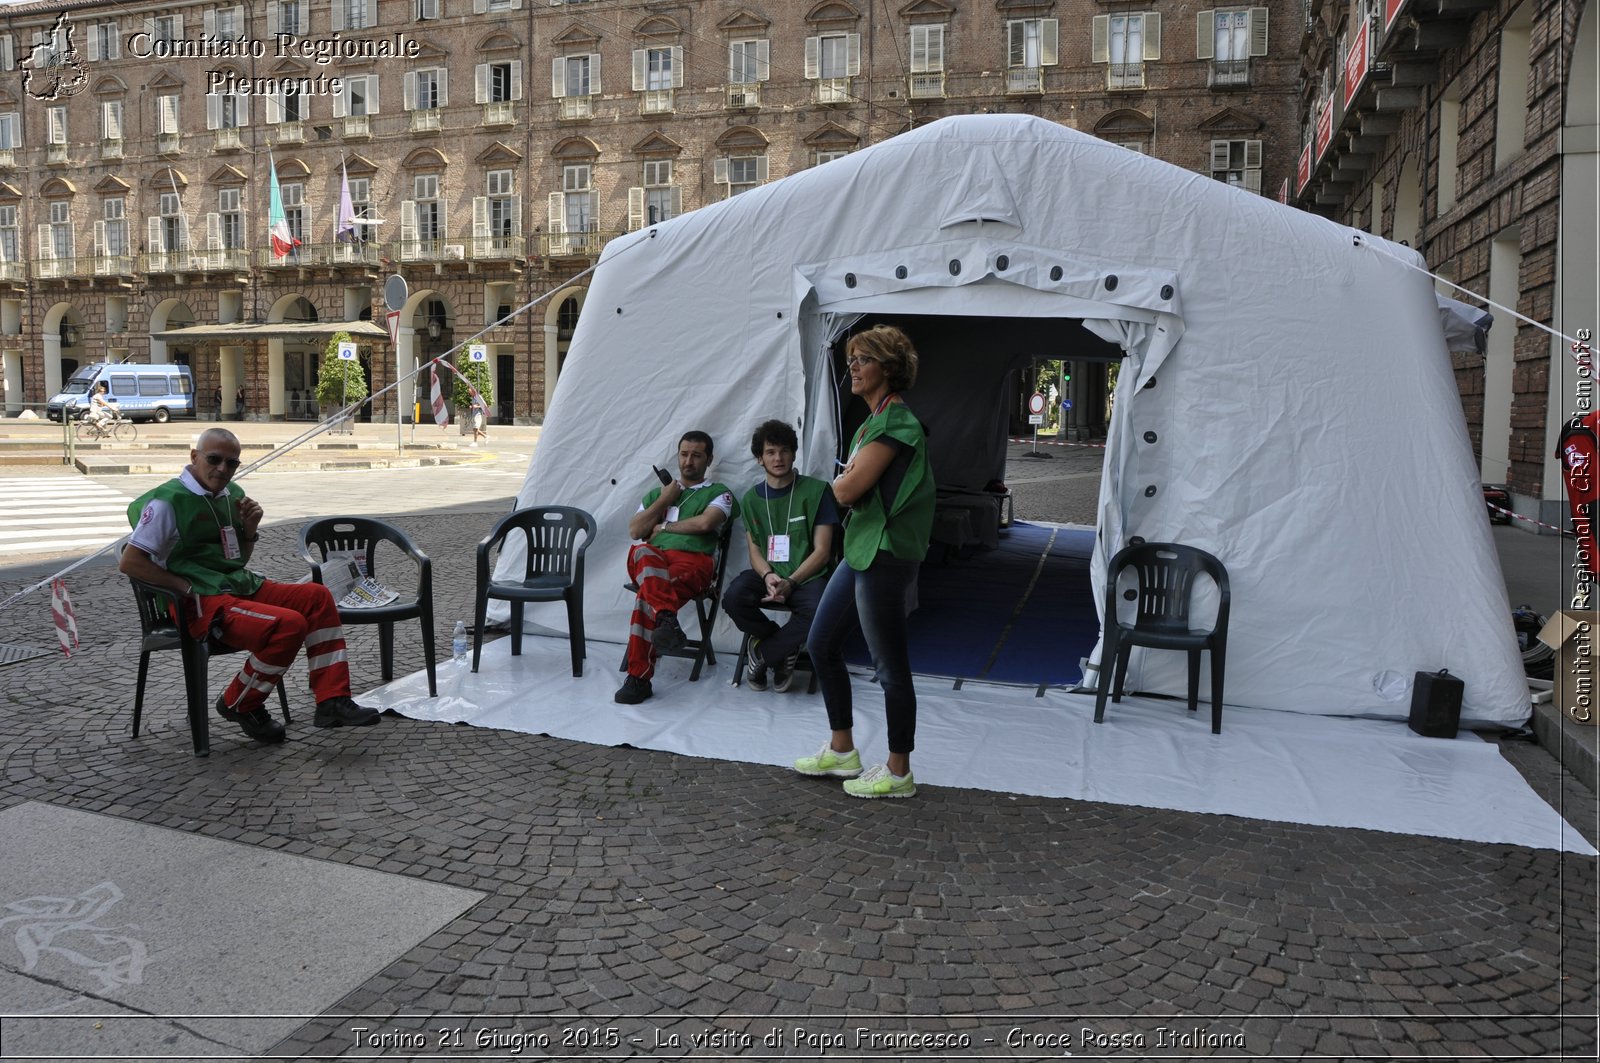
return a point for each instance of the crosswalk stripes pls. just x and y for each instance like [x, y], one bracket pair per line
[52, 514]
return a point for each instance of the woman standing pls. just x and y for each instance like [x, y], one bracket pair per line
[889, 487]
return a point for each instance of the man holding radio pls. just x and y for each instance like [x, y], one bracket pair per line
[675, 529]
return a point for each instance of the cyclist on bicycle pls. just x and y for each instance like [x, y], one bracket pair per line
[102, 411]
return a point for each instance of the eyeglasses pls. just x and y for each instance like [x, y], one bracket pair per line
[217, 459]
[859, 359]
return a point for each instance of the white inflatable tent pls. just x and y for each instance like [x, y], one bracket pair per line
[1286, 401]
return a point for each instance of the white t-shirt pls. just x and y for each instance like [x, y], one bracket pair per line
[157, 531]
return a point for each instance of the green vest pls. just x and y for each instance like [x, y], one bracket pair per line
[903, 527]
[693, 503]
[795, 514]
[197, 556]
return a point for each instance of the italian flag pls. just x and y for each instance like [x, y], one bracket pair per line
[278, 233]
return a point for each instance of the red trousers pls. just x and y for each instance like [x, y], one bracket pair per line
[668, 580]
[272, 625]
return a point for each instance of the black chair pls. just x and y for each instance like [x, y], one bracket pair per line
[552, 572]
[1165, 575]
[161, 632]
[706, 606]
[359, 537]
[804, 659]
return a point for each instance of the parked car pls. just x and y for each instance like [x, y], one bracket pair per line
[141, 392]
[1497, 495]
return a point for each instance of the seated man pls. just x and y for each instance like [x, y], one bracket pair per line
[676, 528]
[193, 536]
[790, 522]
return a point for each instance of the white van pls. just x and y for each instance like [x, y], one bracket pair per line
[142, 392]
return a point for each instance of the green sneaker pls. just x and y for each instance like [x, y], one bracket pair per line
[877, 782]
[829, 762]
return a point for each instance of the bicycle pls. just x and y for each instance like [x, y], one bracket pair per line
[120, 429]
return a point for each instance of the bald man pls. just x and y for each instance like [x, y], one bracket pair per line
[193, 536]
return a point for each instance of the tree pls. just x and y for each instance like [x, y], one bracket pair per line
[339, 383]
[478, 373]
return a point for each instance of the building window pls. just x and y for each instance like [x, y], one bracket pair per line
[232, 217]
[224, 22]
[10, 235]
[1511, 98]
[294, 209]
[425, 89]
[927, 61]
[1124, 43]
[360, 97]
[576, 184]
[226, 111]
[831, 61]
[1238, 163]
[1230, 38]
[829, 156]
[287, 17]
[111, 120]
[105, 41]
[114, 219]
[8, 131]
[361, 205]
[168, 230]
[740, 173]
[425, 10]
[167, 115]
[503, 212]
[1031, 45]
[749, 62]
[429, 211]
[497, 86]
[61, 230]
[663, 201]
[164, 29]
[574, 75]
[56, 125]
[352, 14]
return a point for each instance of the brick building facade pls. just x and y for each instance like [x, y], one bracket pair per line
[501, 144]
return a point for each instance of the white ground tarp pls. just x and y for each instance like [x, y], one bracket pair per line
[1286, 402]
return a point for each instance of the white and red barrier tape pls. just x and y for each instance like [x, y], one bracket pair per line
[1529, 520]
[1054, 443]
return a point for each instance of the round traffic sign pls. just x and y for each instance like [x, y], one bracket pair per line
[1036, 403]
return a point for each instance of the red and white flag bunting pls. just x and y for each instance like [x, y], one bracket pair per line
[65, 619]
[436, 397]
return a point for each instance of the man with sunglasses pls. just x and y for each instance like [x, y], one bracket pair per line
[193, 536]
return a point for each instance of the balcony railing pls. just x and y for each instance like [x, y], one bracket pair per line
[434, 250]
[1125, 75]
[290, 133]
[113, 265]
[229, 140]
[427, 120]
[8, 158]
[496, 248]
[1025, 79]
[52, 268]
[169, 143]
[744, 97]
[357, 126]
[574, 245]
[656, 101]
[12, 271]
[340, 253]
[501, 112]
[56, 154]
[927, 86]
[833, 90]
[1230, 73]
[191, 261]
[111, 148]
[577, 107]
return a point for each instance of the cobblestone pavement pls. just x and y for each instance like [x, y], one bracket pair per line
[642, 895]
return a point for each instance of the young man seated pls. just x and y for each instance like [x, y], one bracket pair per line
[790, 521]
[676, 530]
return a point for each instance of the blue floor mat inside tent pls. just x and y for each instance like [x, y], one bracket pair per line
[1020, 613]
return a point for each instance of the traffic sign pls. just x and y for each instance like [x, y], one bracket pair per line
[1036, 404]
[1036, 418]
[395, 292]
[1066, 404]
[347, 351]
[478, 353]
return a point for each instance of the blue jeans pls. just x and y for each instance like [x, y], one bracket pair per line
[875, 600]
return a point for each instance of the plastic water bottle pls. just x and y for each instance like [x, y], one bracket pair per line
[458, 642]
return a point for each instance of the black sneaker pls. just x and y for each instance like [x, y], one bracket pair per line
[783, 673]
[344, 712]
[755, 673]
[668, 636]
[634, 690]
[258, 723]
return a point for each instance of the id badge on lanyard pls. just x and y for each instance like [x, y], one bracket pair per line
[230, 543]
[777, 548]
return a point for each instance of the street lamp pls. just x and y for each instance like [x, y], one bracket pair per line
[435, 328]
[69, 334]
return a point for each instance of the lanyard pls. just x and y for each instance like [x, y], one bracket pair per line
[855, 444]
[787, 513]
[227, 508]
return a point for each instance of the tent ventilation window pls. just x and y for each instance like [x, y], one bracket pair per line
[1149, 437]
[1148, 383]
[955, 267]
[1150, 492]
[1002, 263]
[1055, 273]
[1166, 291]
[900, 273]
[849, 280]
[1111, 283]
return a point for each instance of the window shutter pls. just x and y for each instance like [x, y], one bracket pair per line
[516, 5]
[594, 73]
[480, 217]
[558, 79]
[1205, 35]
[213, 232]
[635, 209]
[214, 108]
[8, 54]
[556, 213]
[641, 62]
[813, 58]
[149, 27]
[516, 215]
[112, 115]
[99, 238]
[919, 49]
[480, 83]
[935, 49]
[209, 21]
[1049, 41]
[341, 100]
[1017, 38]
[763, 59]
[94, 44]
[1252, 154]
[735, 63]
[1099, 50]
[274, 109]
[1219, 156]
[719, 172]
[242, 110]
[761, 169]
[516, 79]
[272, 19]
[47, 247]
[183, 233]
[1252, 181]
[339, 14]
[443, 74]
[480, 7]
[1258, 31]
[1152, 35]
[155, 236]
[852, 54]
[114, 42]
[677, 66]
[675, 195]
[408, 91]
[372, 94]
[408, 229]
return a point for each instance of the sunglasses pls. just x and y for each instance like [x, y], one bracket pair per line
[859, 359]
[217, 459]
